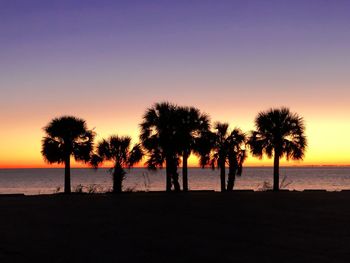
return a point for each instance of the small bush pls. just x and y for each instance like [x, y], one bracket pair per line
[266, 186]
[93, 189]
[130, 189]
[78, 188]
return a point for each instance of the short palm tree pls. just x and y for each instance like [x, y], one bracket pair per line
[228, 147]
[160, 138]
[117, 149]
[65, 137]
[193, 124]
[278, 133]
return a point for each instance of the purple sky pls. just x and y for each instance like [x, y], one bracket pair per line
[93, 41]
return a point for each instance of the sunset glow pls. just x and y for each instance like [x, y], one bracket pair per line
[108, 63]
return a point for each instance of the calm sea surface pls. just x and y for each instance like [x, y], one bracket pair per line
[46, 181]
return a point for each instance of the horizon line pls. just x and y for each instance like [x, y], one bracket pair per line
[192, 167]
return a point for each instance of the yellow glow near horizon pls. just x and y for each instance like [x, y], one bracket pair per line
[327, 139]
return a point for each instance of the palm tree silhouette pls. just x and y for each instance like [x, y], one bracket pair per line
[160, 137]
[278, 133]
[192, 125]
[65, 137]
[117, 150]
[236, 156]
[228, 147]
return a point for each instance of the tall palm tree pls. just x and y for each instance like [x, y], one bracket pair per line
[160, 137]
[117, 149]
[228, 147]
[193, 124]
[236, 156]
[278, 133]
[67, 136]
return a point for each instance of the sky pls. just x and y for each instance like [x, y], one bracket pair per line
[107, 61]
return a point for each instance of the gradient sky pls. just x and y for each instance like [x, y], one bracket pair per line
[107, 61]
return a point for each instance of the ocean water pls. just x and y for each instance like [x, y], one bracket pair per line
[47, 181]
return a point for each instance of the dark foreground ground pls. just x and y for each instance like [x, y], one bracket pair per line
[193, 227]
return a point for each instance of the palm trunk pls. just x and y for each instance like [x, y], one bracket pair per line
[222, 175]
[185, 172]
[231, 179]
[168, 175]
[118, 176]
[176, 182]
[276, 164]
[117, 186]
[175, 176]
[67, 187]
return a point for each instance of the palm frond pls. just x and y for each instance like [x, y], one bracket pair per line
[66, 136]
[52, 150]
[135, 156]
[279, 131]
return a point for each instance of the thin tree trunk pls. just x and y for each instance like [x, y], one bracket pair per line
[117, 186]
[176, 182]
[222, 175]
[118, 176]
[168, 174]
[185, 172]
[67, 187]
[231, 179]
[276, 164]
[175, 176]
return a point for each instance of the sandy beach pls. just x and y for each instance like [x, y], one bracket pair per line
[159, 227]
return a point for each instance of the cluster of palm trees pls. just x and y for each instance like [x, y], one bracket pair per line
[169, 135]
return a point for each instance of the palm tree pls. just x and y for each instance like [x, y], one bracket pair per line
[236, 156]
[278, 133]
[228, 147]
[193, 124]
[160, 137]
[117, 150]
[65, 137]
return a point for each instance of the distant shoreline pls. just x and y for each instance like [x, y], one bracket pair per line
[261, 166]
